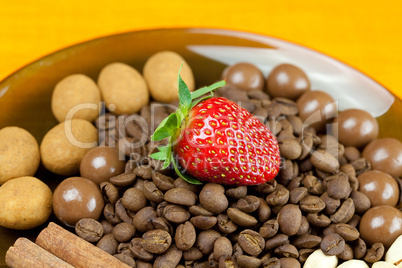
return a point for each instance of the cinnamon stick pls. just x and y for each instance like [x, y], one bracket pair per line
[73, 249]
[25, 253]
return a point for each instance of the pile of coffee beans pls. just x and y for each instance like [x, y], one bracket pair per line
[152, 218]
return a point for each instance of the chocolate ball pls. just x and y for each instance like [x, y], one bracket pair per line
[379, 187]
[355, 127]
[381, 224]
[101, 163]
[287, 81]
[245, 76]
[385, 154]
[316, 109]
[76, 198]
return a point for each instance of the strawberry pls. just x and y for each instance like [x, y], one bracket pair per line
[215, 140]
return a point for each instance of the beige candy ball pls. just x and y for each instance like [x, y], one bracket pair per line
[77, 96]
[19, 153]
[160, 72]
[26, 202]
[123, 88]
[64, 146]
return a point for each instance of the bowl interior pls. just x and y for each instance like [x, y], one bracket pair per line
[25, 95]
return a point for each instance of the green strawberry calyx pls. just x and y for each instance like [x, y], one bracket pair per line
[171, 125]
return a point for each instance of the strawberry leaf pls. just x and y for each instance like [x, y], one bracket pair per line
[186, 177]
[204, 90]
[184, 92]
[159, 156]
[166, 129]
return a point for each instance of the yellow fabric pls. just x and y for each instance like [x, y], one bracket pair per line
[365, 34]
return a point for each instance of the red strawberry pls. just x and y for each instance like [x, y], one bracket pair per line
[215, 140]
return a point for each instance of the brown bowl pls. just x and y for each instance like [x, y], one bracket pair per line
[25, 95]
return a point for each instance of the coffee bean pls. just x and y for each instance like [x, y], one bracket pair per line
[294, 183]
[247, 261]
[181, 196]
[156, 241]
[123, 180]
[206, 239]
[269, 228]
[180, 183]
[170, 258]
[346, 254]
[348, 232]
[192, 254]
[266, 188]
[311, 204]
[375, 253]
[122, 212]
[276, 241]
[263, 211]
[225, 224]
[241, 218]
[152, 193]
[331, 204]
[107, 227]
[143, 219]
[110, 214]
[272, 263]
[290, 148]
[199, 211]
[289, 263]
[143, 264]
[297, 194]
[134, 199]
[306, 241]
[313, 185]
[204, 222]
[289, 219]
[278, 197]
[338, 186]
[176, 213]
[361, 201]
[248, 204]
[222, 247]
[125, 259]
[108, 244]
[332, 244]
[212, 198]
[304, 254]
[354, 221]
[163, 182]
[251, 242]
[109, 191]
[162, 224]
[324, 161]
[123, 232]
[237, 193]
[287, 250]
[89, 229]
[360, 248]
[361, 165]
[344, 213]
[144, 172]
[318, 220]
[138, 251]
[304, 227]
[288, 171]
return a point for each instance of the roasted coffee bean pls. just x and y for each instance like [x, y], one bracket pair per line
[354, 221]
[138, 251]
[318, 220]
[123, 180]
[278, 197]
[124, 248]
[297, 194]
[375, 253]
[192, 254]
[143, 264]
[306, 241]
[225, 224]
[324, 161]
[222, 247]
[289, 219]
[237, 192]
[266, 188]
[294, 183]
[156, 241]
[180, 183]
[289, 263]
[276, 241]
[288, 171]
[272, 263]
[288, 107]
[332, 244]
[274, 125]
[346, 254]
[344, 213]
[170, 258]
[134, 199]
[152, 193]
[143, 219]
[287, 250]
[312, 204]
[199, 211]
[181, 196]
[163, 182]
[296, 123]
[160, 207]
[331, 204]
[107, 227]
[360, 248]
[330, 229]
[247, 261]
[176, 213]
[241, 218]
[122, 212]
[361, 165]
[206, 239]
[123, 232]
[89, 230]
[185, 236]
[110, 214]
[338, 186]
[269, 228]
[304, 254]
[290, 148]
[251, 242]
[306, 143]
[313, 185]
[125, 259]
[248, 204]
[348, 232]
[162, 224]
[144, 172]
[109, 191]
[212, 198]
[108, 244]
[304, 227]
[361, 201]
[204, 222]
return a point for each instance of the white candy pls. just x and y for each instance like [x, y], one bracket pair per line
[354, 264]
[383, 264]
[319, 259]
[394, 253]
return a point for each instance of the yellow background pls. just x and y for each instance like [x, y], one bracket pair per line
[364, 34]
